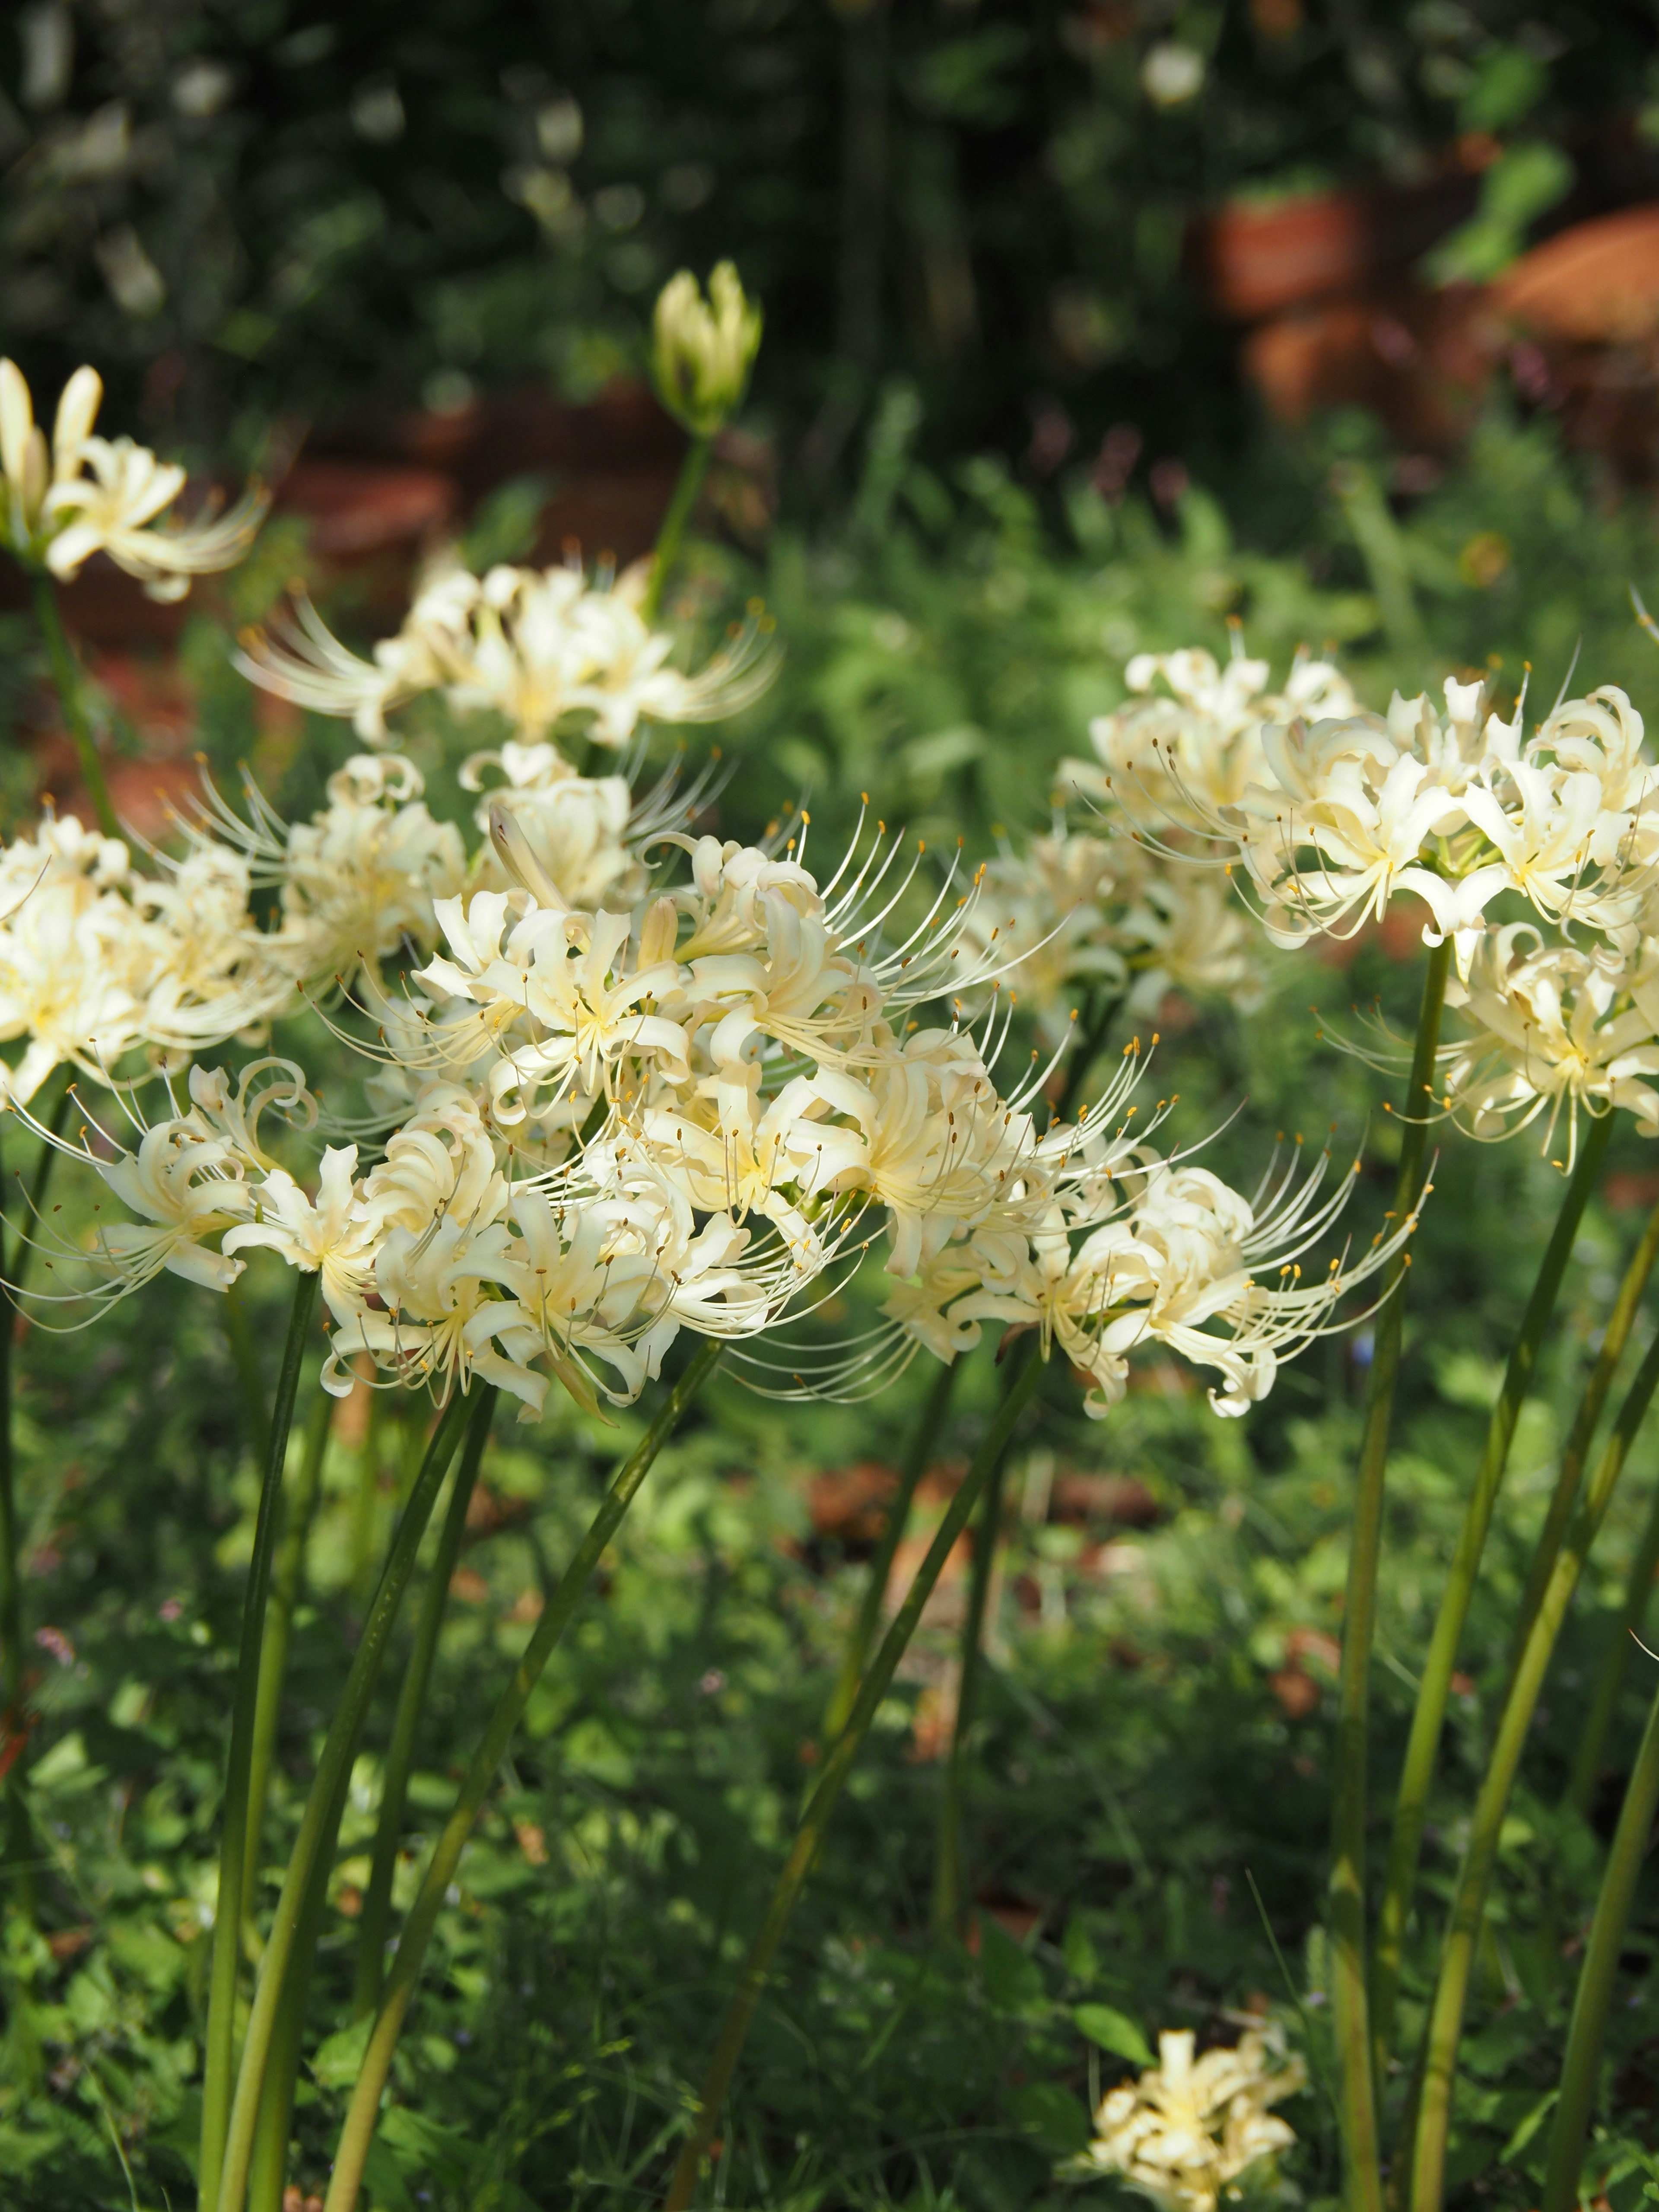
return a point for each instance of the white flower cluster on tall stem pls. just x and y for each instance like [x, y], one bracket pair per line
[84, 495]
[596, 1126]
[1191, 2127]
[1323, 814]
[553, 651]
[1130, 915]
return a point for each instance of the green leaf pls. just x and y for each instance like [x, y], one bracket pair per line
[1114, 2031]
[339, 2059]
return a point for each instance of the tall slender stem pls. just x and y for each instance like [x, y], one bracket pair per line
[233, 1841]
[1615, 1665]
[692, 469]
[16, 1850]
[358, 2131]
[1485, 1825]
[948, 1858]
[1594, 1996]
[808, 1834]
[71, 693]
[322, 1812]
[1435, 1688]
[400, 1754]
[1570, 1473]
[924, 1439]
[287, 1567]
[1362, 2164]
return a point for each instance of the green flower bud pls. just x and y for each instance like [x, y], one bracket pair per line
[702, 350]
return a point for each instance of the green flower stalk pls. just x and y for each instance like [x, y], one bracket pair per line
[923, 1439]
[1593, 1998]
[1614, 1668]
[233, 1848]
[411, 1701]
[1429, 1714]
[14, 1848]
[1428, 2171]
[287, 1574]
[948, 1870]
[286, 1959]
[351, 2154]
[701, 353]
[1362, 2174]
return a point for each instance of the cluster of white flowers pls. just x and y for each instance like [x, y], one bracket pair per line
[84, 495]
[1128, 915]
[98, 960]
[595, 1124]
[627, 1080]
[1190, 2128]
[551, 650]
[1323, 813]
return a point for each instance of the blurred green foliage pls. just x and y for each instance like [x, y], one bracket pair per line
[248, 209]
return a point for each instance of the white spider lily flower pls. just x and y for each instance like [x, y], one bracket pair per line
[701, 351]
[442, 1161]
[1169, 1254]
[57, 516]
[550, 650]
[185, 1187]
[573, 829]
[31, 471]
[1190, 750]
[444, 1318]
[68, 982]
[1340, 813]
[333, 1236]
[1190, 2128]
[751, 1155]
[568, 975]
[1552, 1029]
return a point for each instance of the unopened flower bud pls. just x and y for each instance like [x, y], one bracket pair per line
[702, 350]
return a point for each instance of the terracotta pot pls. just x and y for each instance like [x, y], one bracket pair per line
[357, 509]
[1420, 359]
[1595, 284]
[1257, 260]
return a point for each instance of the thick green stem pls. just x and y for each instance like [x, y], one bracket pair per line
[321, 1816]
[1594, 1997]
[924, 1441]
[948, 1857]
[667, 550]
[1615, 1665]
[1468, 1908]
[71, 693]
[1571, 1475]
[17, 1851]
[1435, 1688]
[810, 1834]
[358, 2131]
[285, 1571]
[233, 1848]
[400, 1754]
[1362, 2163]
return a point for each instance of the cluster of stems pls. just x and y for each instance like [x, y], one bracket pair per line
[1403, 2167]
